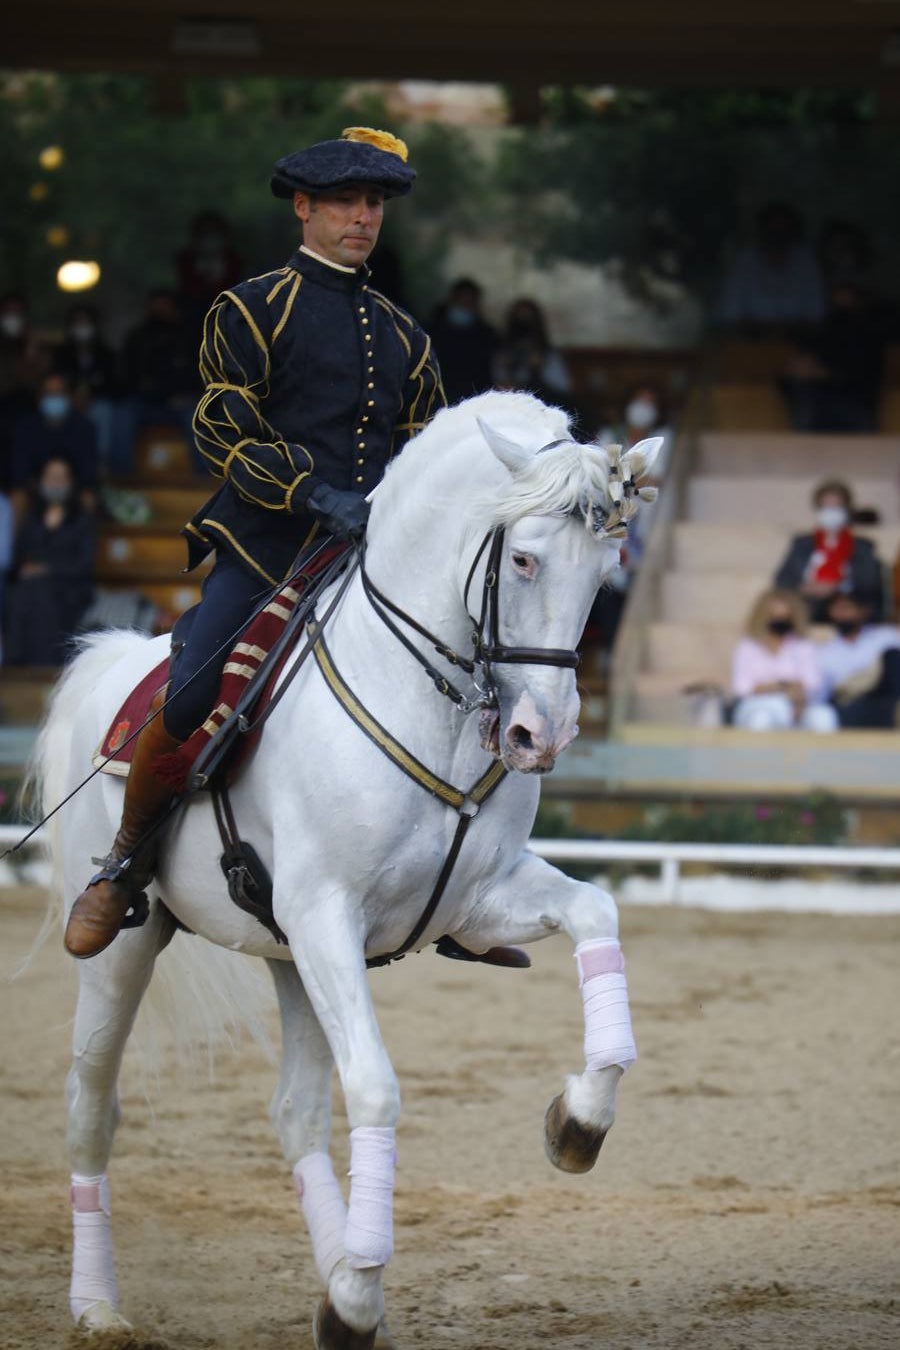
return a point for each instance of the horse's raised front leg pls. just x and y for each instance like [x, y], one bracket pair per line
[111, 987]
[531, 902]
[328, 946]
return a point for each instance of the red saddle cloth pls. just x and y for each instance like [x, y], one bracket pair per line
[115, 751]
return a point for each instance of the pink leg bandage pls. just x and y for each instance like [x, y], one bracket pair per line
[93, 1270]
[369, 1237]
[608, 1038]
[323, 1209]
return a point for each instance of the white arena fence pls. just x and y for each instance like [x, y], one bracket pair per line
[30, 865]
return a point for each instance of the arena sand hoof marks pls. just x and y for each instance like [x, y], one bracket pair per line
[330, 1332]
[570, 1146]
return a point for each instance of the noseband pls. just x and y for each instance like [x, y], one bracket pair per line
[487, 650]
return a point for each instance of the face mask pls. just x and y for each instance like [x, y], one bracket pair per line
[780, 627]
[55, 493]
[641, 413]
[847, 627]
[55, 406]
[831, 517]
[12, 325]
[460, 317]
[82, 332]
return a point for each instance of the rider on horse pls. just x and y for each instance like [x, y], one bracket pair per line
[314, 381]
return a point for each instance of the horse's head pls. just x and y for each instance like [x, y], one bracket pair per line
[565, 516]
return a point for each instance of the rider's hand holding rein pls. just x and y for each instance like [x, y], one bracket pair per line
[343, 514]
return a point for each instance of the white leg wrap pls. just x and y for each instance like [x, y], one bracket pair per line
[369, 1239]
[608, 1038]
[323, 1209]
[93, 1270]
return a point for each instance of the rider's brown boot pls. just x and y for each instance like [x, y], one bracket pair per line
[99, 912]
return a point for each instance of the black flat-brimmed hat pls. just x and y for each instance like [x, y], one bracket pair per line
[362, 155]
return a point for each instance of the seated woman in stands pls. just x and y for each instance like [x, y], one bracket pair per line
[774, 675]
[52, 570]
[831, 559]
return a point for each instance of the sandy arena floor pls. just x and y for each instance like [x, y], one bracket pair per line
[749, 1195]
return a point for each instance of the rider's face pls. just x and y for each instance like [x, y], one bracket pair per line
[342, 224]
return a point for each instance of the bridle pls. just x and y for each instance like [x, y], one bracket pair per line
[487, 651]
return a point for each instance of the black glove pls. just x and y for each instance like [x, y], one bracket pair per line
[344, 514]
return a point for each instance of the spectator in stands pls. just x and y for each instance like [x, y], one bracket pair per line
[845, 252]
[834, 378]
[860, 665]
[90, 366]
[644, 413]
[159, 369]
[832, 558]
[776, 282]
[53, 570]
[208, 264]
[526, 360]
[56, 431]
[23, 363]
[774, 676]
[464, 341]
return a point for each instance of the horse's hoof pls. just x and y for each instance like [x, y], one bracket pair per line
[101, 1317]
[570, 1146]
[330, 1332]
[383, 1338]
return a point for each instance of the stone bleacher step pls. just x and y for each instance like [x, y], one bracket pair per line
[691, 651]
[702, 547]
[725, 499]
[129, 555]
[24, 691]
[710, 597]
[792, 454]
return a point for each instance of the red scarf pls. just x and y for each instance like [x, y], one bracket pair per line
[830, 562]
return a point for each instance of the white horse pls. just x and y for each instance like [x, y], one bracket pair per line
[354, 844]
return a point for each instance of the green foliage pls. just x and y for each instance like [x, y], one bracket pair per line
[133, 176]
[657, 184]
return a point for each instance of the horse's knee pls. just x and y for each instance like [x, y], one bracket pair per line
[591, 913]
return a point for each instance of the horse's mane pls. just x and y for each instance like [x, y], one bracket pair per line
[568, 477]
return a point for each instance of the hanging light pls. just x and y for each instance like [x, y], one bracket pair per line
[78, 276]
[38, 191]
[51, 157]
[57, 236]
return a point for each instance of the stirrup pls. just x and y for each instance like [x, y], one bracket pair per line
[115, 870]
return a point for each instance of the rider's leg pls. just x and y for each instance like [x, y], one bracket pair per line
[230, 594]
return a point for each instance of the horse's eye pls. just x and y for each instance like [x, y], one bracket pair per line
[520, 560]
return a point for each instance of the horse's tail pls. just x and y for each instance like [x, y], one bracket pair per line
[48, 775]
[201, 994]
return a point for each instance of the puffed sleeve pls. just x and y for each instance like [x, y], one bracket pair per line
[229, 426]
[423, 392]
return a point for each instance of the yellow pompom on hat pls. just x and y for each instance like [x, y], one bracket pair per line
[382, 140]
[362, 155]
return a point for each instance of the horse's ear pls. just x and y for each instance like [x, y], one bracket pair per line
[641, 457]
[514, 457]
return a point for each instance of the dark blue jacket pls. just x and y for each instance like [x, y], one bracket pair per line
[311, 376]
